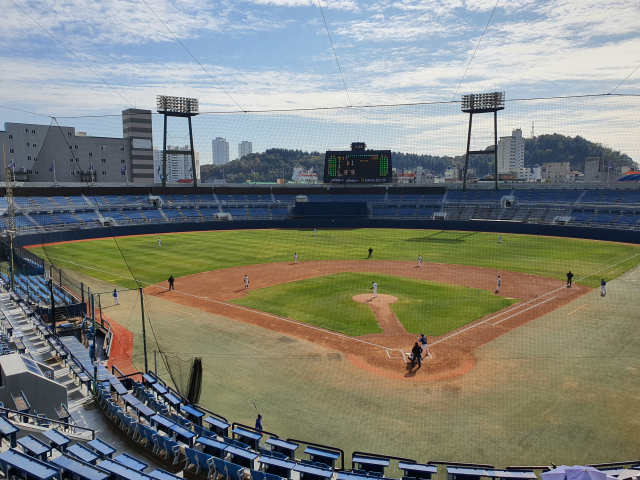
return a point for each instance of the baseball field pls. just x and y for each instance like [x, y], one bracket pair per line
[533, 374]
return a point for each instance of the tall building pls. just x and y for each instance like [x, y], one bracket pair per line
[220, 151]
[178, 164]
[595, 171]
[41, 153]
[136, 127]
[244, 148]
[511, 153]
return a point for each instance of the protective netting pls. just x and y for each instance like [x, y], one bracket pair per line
[179, 368]
[435, 129]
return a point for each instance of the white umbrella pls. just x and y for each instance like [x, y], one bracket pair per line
[586, 473]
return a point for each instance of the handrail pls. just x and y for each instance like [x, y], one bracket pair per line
[50, 420]
[390, 457]
[212, 413]
[529, 467]
[459, 464]
[613, 464]
[253, 429]
[320, 445]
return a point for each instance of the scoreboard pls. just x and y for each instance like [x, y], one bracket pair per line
[358, 165]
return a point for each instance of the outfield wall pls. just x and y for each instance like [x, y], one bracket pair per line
[625, 236]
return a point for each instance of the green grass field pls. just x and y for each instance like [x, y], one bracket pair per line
[423, 307]
[188, 253]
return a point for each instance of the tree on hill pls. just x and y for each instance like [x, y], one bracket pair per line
[538, 150]
[561, 148]
[268, 166]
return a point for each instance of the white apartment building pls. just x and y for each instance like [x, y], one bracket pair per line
[556, 172]
[178, 164]
[220, 151]
[244, 148]
[531, 174]
[511, 153]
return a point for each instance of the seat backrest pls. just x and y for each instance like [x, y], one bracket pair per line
[191, 455]
[203, 459]
[271, 476]
[220, 465]
[234, 471]
[257, 475]
[279, 455]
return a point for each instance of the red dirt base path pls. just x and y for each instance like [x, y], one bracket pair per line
[380, 353]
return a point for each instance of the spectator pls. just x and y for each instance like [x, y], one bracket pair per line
[259, 423]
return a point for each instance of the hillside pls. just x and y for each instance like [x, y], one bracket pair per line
[542, 149]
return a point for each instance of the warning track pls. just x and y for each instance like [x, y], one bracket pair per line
[380, 352]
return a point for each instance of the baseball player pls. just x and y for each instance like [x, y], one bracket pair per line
[498, 285]
[500, 238]
[159, 242]
[603, 290]
[246, 282]
[115, 297]
[370, 252]
[419, 260]
[423, 343]
[569, 278]
[374, 287]
[171, 280]
[295, 258]
[314, 232]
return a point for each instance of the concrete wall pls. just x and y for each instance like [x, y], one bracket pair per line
[42, 393]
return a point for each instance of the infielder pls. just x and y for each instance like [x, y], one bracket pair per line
[374, 287]
[498, 285]
[159, 242]
[603, 290]
[295, 258]
[246, 282]
[419, 260]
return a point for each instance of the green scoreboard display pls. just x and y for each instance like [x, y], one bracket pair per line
[358, 165]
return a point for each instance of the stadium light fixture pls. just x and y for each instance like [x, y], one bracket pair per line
[483, 102]
[177, 106]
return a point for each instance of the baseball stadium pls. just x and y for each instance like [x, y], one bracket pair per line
[486, 327]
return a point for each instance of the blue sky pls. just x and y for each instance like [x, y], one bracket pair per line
[275, 54]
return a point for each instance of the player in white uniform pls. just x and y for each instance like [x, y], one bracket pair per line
[246, 282]
[159, 242]
[374, 287]
[314, 232]
[498, 285]
[419, 260]
[295, 258]
[500, 238]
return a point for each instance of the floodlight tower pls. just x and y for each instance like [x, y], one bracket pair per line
[482, 103]
[177, 107]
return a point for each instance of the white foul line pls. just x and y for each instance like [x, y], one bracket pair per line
[518, 313]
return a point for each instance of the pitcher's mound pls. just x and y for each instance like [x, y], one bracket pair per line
[381, 299]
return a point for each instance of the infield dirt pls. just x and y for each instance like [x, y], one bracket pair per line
[380, 353]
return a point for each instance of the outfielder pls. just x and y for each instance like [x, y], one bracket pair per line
[159, 242]
[419, 260]
[246, 282]
[500, 238]
[295, 258]
[374, 287]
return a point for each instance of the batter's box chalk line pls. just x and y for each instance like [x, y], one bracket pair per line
[393, 353]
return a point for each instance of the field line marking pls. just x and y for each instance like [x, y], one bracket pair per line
[518, 313]
[96, 269]
[579, 308]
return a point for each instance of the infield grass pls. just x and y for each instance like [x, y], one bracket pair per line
[188, 253]
[423, 307]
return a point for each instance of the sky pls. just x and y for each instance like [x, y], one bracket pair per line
[275, 54]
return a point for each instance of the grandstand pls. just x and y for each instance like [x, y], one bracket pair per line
[541, 204]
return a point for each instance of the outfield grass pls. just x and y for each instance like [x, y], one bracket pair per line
[188, 253]
[423, 307]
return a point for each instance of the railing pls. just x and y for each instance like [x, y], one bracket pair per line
[459, 464]
[253, 429]
[48, 420]
[320, 445]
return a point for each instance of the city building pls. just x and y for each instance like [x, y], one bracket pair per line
[244, 148]
[530, 174]
[511, 153]
[595, 171]
[556, 172]
[452, 175]
[44, 153]
[179, 165]
[220, 151]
